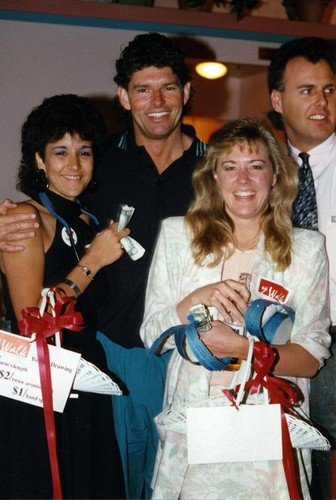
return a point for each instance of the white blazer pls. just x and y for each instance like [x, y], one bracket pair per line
[174, 274]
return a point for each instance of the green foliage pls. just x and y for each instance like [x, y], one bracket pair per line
[237, 7]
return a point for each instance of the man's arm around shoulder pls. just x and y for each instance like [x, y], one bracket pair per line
[15, 226]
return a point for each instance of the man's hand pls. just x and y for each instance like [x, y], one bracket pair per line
[14, 228]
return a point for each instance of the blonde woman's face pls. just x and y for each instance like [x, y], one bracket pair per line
[245, 178]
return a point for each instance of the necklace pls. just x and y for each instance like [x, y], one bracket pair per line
[70, 208]
[247, 244]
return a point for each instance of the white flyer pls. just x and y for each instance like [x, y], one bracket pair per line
[225, 434]
[19, 371]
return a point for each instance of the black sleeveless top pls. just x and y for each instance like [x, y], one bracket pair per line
[60, 259]
[88, 454]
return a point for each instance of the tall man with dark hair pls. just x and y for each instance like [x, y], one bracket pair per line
[149, 167]
[302, 83]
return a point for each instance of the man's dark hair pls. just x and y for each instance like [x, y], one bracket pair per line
[150, 49]
[49, 122]
[313, 49]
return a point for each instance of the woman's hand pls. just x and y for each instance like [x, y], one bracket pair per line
[229, 297]
[104, 250]
[224, 342]
[106, 247]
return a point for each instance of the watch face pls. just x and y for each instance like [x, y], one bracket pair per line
[65, 236]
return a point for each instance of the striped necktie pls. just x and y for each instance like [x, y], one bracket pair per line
[304, 206]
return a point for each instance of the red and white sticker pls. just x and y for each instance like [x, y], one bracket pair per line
[273, 290]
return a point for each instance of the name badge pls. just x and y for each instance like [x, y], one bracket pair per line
[272, 290]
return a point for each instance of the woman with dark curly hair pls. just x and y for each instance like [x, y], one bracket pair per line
[61, 138]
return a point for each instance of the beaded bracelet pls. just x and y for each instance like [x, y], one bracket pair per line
[86, 271]
[72, 285]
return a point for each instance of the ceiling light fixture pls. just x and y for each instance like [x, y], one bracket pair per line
[211, 70]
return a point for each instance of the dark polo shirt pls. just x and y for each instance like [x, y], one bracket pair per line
[127, 174]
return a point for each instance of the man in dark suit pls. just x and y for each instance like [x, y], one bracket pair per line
[302, 85]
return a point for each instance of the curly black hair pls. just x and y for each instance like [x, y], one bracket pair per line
[313, 49]
[151, 49]
[49, 122]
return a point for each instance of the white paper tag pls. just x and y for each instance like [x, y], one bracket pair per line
[225, 434]
[19, 371]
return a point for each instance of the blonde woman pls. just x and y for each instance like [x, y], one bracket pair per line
[238, 222]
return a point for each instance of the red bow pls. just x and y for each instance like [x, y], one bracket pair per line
[279, 390]
[44, 326]
[47, 325]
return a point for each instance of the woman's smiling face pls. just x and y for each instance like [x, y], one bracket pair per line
[245, 178]
[68, 164]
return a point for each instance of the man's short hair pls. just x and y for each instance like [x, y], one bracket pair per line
[313, 49]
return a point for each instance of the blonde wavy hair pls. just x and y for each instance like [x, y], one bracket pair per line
[211, 227]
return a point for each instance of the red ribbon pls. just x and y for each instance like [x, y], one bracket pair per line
[333, 474]
[230, 397]
[46, 326]
[281, 392]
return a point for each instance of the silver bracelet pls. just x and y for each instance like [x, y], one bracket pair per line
[72, 285]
